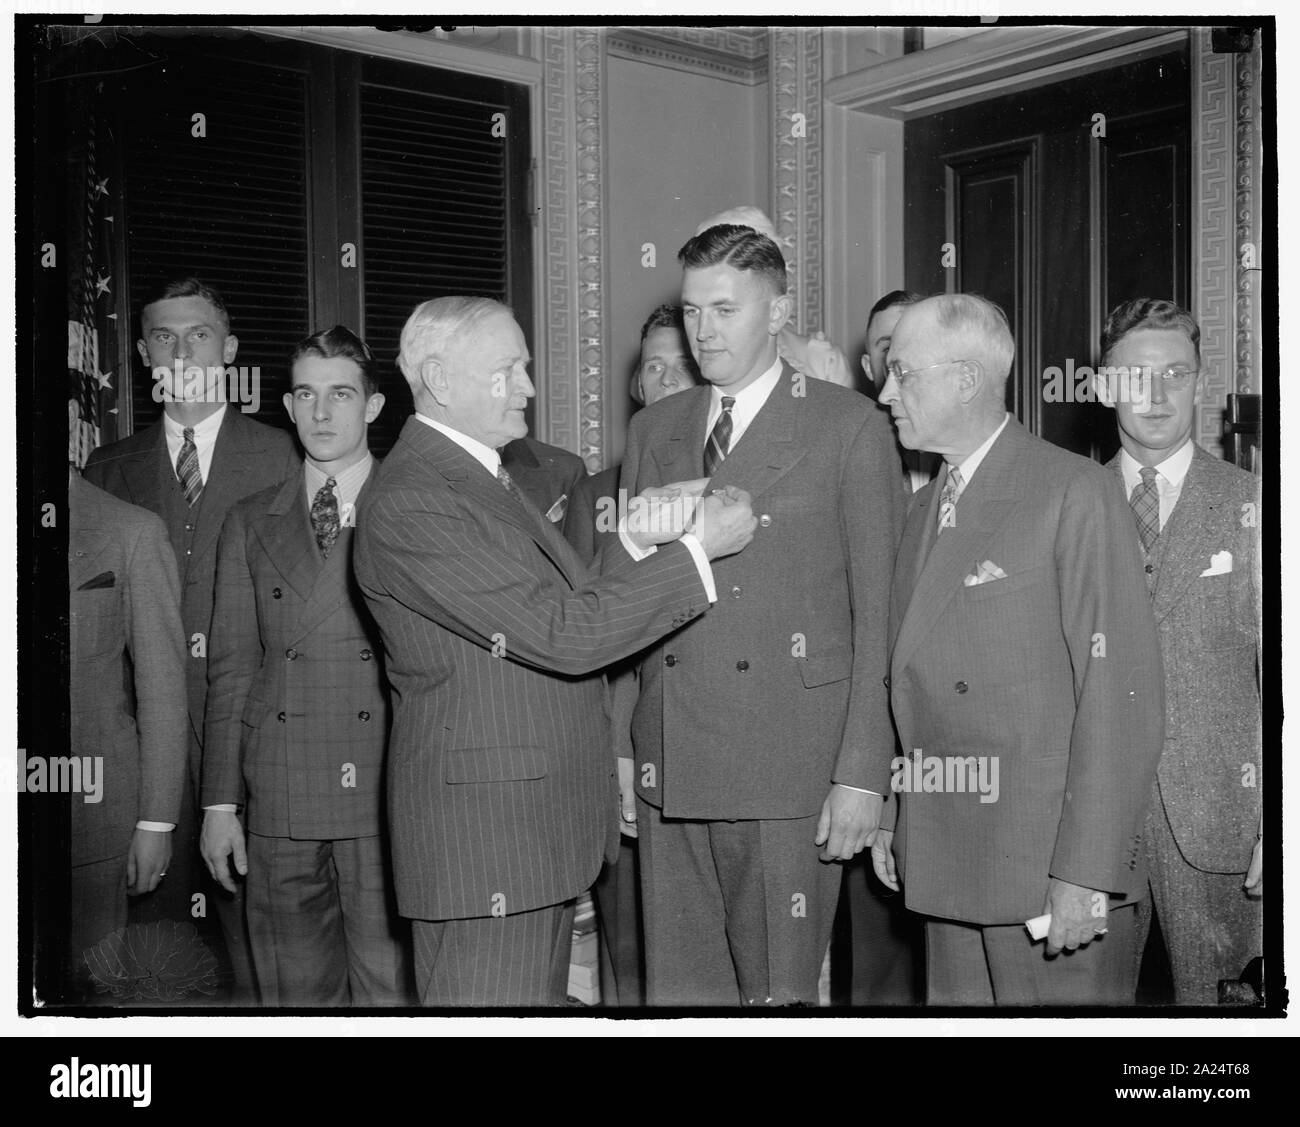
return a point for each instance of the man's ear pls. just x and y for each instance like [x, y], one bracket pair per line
[636, 390]
[144, 354]
[434, 378]
[1104, 385]
[374, 405]
[970, 379]
[288, 404]
[229, 349]
[779, 313]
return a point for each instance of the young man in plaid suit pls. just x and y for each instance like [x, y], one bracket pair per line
[297, 719]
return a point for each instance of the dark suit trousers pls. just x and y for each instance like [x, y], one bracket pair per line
[518, 960]
[617, 894]
[323, 923]
[736, 913]
[1211, 928]
[968, 965]
[887, 941]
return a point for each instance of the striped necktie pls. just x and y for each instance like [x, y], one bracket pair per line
[719, 444]
[948, 500]
[1145, 500]
[187, 468]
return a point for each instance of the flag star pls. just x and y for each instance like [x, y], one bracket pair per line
[101, 285]
[112, 411]
[112, 316]
[101, 187]
[103, 378]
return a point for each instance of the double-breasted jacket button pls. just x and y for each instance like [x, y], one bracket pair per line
[276, 592]
[363, 715]
[366, 655]
[670, 661]
[280, 717]
[765, 521]
[961, 686]
[735, 592]
[742, 665]
[291, 654]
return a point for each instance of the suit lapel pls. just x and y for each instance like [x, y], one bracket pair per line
[772, 443]
[232, 475]
[918, 532]
[468, 477]
[1186, 540]
[149, 472]
[286, 536]
[332, 583]
[680, 454]
[983, 507]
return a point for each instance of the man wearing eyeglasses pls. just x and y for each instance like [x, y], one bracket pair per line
[1025, 686]
[1197, 519]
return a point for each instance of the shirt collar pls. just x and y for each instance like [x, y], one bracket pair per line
[751, 398]
[348, 482]
[203, 431]
[488, 458]
[971, 462]
[1173, 469]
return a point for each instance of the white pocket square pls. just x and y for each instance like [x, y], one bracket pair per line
[987, 572]
[1220, 564]
[556, 512]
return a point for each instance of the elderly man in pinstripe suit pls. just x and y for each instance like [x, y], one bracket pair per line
[502, 787]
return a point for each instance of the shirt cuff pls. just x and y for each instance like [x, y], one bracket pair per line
[628, 543]
[696, 549]
[157, 827]
[860, 790]
[224, 808]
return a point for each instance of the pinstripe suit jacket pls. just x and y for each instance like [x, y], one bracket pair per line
[248, 456]
[124, 602]
[1209, 641]
[297, 702]
[755, 709]
[501, 783]
[1054, 669]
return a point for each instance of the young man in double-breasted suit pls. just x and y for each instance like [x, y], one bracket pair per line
[297, 721]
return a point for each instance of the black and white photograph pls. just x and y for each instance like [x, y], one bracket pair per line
[640, 517]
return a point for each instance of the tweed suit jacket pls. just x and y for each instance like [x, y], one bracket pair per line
[545, 474]
[298, 711]
[248, 456]
[1054, 670]
[756, 709]
[124, 602]
[1210, 773]
[501, 785]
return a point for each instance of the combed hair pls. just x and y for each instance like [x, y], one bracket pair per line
[335, 343]
[434, 326]
[980, 326]
[188, 287]
[892, 299]
[667, 316]
[1147, 313]
[741, 248]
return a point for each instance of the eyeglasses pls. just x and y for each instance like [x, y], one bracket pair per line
[1173, 379]
[897, 372]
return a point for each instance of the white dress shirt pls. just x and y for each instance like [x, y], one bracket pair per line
[205, 438]
[749, 402]
[971, 462]
[347, 485]
[1170, 475]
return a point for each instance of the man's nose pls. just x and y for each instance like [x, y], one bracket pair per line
[704, 328]
[524, 386]
[889, 393]
[1158, 388]
[320, 410]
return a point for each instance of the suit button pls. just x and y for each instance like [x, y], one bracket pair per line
[765, 521]
[670, 661]
[735, 592]
[961, 686]
[275, 592]
[291, 654]
[743, 666]
[280, 717]
[885, 681]
[1149, 569]
[363, 715]
[366, 655]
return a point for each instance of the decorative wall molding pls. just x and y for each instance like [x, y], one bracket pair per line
[1248, 160]
[571, 413]
[733, 54]
[797, 150]
[1214, 273]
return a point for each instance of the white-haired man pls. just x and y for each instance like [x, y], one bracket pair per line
[1025, 685]
[502, 791]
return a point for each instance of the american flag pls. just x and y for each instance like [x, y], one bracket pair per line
[92, 334]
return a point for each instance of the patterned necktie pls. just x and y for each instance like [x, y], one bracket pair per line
[719, 444]
[325, 516]
[187, 468]
[948, 500]
[508, 484]
[1145, 500]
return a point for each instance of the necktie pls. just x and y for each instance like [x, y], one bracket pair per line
[325, 516]
[508, 484]
[719, 444]
[948, 499]
[187, 468]
[1145, 500]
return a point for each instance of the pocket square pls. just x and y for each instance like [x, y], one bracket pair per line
[987, 572]
[1220, 564]
[556, 512]
[103, 579]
